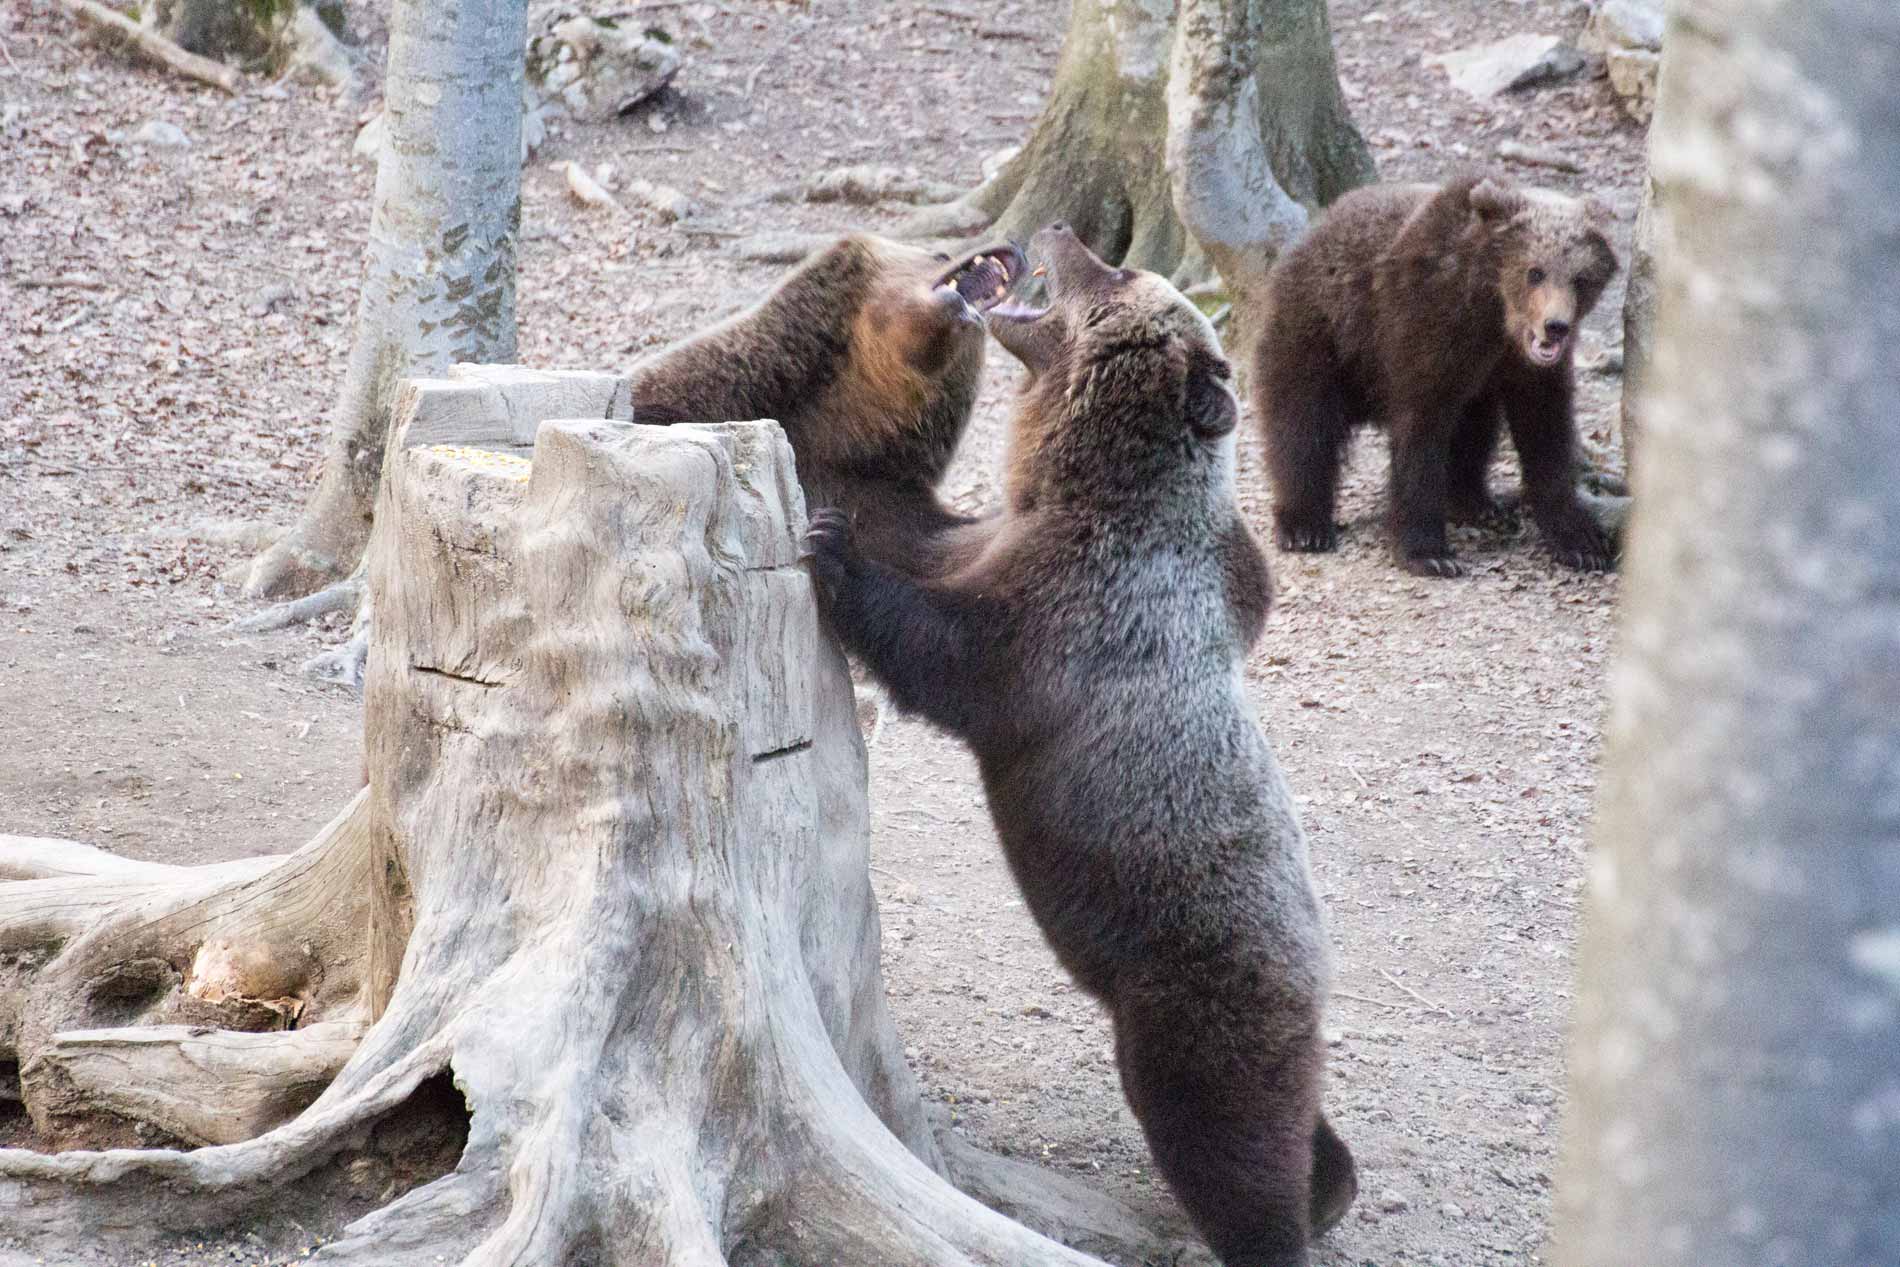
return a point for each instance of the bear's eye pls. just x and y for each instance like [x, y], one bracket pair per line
[1535, 277]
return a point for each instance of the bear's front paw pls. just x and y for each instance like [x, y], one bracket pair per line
[1585, 546]
[829, 539]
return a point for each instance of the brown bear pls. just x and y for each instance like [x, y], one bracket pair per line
[868, 354]
[1090, 654]
[1444, 312]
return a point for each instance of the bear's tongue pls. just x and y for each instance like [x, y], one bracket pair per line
[1547, 351]
[983, 280]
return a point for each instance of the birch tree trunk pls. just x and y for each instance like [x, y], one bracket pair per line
[440, 282]
[1101, 155]
[1736, 1091]
[1639, 323]
[606, 900]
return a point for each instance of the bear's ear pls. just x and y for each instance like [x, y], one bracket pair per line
[1212, 410]
[1598, 240]
[1495, 202]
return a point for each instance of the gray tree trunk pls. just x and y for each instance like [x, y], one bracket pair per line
[440, 282]
[1736, 1067]
[1100, 156]
[610, 877]
[1639, 323]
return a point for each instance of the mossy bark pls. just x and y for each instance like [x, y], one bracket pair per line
[1098, 156]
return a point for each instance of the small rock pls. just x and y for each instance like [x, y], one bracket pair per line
[1629, 33]
[667, 201]
[1507, 65]
[1392, 1201]
[1633, 74]
[582, 187]
[269, 299]
[159, 133]
[599, 66]
[369, 137]
[1452, 1210]
[1627, 24]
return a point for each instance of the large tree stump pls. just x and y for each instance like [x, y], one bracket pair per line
[609, 879]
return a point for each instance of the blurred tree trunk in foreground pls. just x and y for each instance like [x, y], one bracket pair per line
[1736, 1083]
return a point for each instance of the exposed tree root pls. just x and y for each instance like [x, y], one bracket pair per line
[115, 25]
[610, 876]
[342, 596]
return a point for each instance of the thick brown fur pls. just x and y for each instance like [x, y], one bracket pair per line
[1445, 312]
[1089, 651]
[870, 364]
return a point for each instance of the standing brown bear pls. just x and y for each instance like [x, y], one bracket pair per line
[1089, 651]
[1443, 311]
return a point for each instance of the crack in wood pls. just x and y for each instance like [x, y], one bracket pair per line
[456, 677]
[789, 749]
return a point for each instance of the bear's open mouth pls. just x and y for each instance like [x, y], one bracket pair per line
[1542, 351]
[983, 280]
[1021, 313]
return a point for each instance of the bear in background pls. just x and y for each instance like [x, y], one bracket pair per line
[868, 354]
[1445, 312]
[1089, 651]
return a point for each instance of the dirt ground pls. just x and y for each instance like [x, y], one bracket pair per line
[173, 325]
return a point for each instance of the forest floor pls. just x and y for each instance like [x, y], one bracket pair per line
[173, 326]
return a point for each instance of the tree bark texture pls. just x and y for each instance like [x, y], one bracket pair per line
[440, 282]
[611, 879]
[1736, 1088]
[1245, 105]
[1639, 323]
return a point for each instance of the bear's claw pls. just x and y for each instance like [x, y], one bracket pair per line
[1442, 565]
[1307, 539]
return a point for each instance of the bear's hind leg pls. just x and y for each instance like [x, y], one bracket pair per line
[1420, 456]
[1226, 1089]
[1335, 1178]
